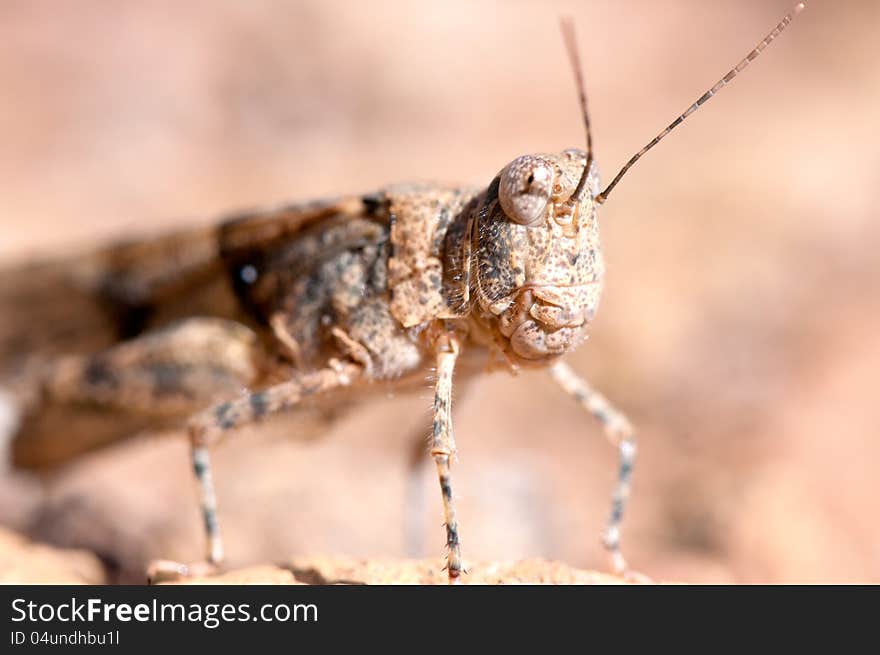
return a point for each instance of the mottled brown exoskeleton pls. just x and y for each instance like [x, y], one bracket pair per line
[316, 298]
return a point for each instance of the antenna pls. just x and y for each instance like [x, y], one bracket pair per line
[711, 92]
[567, 26]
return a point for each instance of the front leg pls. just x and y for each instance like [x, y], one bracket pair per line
[443, 448]
[619, 431]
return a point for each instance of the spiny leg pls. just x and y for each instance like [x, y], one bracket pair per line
[619, 431]
[443, 450]
[201, 463]
[416, 501]
[209, 427]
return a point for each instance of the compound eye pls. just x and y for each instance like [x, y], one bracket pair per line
[525, 188]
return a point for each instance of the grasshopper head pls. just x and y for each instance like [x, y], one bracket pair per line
[538, 267]
[537, 264]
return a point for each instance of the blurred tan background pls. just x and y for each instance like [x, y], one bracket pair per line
[740, 326]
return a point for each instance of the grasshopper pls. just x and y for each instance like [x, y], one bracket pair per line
[319, 299]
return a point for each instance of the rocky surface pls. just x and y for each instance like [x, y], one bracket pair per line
[23, 561]
[341, 570]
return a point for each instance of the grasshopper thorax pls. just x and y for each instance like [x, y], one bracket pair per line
[537, 265]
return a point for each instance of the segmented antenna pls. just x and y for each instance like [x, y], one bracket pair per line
[568, 35]
[711, 92]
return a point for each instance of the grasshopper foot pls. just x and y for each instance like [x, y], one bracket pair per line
[636, 577]
[455, 575]
[163, 570]
[621, 569]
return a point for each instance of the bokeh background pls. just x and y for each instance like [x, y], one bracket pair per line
[740, 326]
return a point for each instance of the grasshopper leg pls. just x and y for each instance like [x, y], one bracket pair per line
[443, 450]
[209, 427]
[619, 431]
[418, 470]
[78, 402]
